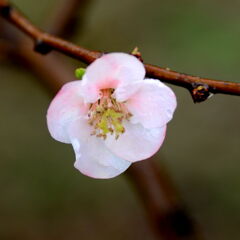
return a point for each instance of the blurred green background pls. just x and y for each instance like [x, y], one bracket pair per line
[42, 196]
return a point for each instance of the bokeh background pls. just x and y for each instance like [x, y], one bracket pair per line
[42, 196]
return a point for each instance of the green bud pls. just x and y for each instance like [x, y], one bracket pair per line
[79, 72]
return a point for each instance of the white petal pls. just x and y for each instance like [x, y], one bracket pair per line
[152, 105]
[110, 71]
[66, 107]
[124, 92]
[90, 92]
[92, 156]
[137, 143]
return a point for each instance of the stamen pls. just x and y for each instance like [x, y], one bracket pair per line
[106, 115]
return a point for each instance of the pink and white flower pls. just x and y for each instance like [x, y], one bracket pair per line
[113, 116]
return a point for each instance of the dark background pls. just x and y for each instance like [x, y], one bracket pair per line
[42, 196]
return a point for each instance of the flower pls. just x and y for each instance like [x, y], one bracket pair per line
[113, 116]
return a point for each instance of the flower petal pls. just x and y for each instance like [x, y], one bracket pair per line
[123, 93]
[92, 156]
[152, 104]
[110, 71]
[136, 143]
[66, 107]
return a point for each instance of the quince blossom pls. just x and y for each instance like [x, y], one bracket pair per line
[113, 116]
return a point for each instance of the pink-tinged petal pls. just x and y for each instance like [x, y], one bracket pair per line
[110, 71]
[92, 156]
[136, 143]
[89, 92]
[152, 105]
[124, 92]
[66, 107]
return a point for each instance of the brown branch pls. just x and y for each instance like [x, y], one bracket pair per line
[5, 49]
[44, 41]
[200, 88]
[169, 216]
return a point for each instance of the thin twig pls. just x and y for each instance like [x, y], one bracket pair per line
[200, 88]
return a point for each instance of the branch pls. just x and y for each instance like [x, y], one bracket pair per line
[45, 42]
[200, 88]
[170, 219]
[5, 49]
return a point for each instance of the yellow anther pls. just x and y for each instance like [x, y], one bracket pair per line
[118, 127]
[103, 125]
[113, 114]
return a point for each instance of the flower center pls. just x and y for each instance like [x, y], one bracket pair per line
[106, 115]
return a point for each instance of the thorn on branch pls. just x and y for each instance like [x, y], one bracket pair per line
[200, 92]
[136, 53]
[42, 47]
